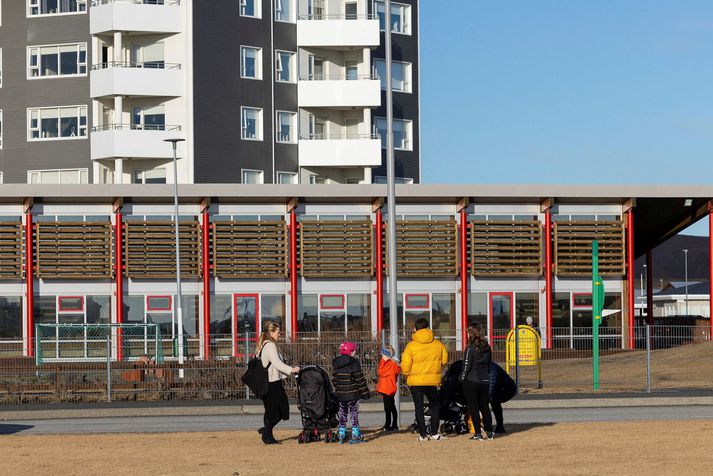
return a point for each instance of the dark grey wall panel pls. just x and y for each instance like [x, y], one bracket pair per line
[17, 32]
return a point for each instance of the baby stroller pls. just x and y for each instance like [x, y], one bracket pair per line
[317, 405]
[452, 404]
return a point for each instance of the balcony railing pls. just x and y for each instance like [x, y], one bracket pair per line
[340, 136]
[135, 127]
[338, 77]
[131, 64]
[96, 3]
[338, 16]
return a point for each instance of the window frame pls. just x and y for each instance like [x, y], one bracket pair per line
[405, 16]
[293, 7]
[408, 133]
[292, 174]
[81, 127]
[258, 123]
[257, 5]
[242, 176]
[36, 3]
[38, 66]
[60, 309]
[258, 62]
[408, 75]
[79, 171]
[293, 127]
[135, 172]
[322, 307]
[278, 67]
[148, 307]
[415, 307]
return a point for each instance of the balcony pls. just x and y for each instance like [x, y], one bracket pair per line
[338, 31]
[136, 79]
[343, 150]
[129, 140]
[148, 16]
[339, 91]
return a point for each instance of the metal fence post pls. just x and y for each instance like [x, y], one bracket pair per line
[247, 356]
[108, 367]
[648, 358]
[517, 360]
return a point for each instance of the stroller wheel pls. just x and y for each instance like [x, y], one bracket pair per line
[328, 437]
[461, 428]
[316, 436]
[446, 428]
[413, 428]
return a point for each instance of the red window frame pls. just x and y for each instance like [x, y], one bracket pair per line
[322, 307]
[574, 297]
[159, 309]
[62, 309]
[509, 294]
[420, 308]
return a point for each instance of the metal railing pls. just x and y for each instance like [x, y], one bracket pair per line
[338, 16]
[665, 358]
[96, 3]
[135, 127]
[338, 77]
[339, 136]
[131, 64]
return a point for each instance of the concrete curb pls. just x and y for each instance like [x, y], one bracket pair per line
[257, 409]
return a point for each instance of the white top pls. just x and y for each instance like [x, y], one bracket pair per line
[278, 370]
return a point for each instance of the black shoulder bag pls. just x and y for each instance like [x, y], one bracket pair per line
[256, 376]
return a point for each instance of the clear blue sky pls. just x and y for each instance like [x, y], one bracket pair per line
[567, 91]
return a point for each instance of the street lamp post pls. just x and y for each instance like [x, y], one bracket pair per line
[179, 305]
[685, 275]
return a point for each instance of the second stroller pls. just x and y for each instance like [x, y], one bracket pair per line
[317, 405]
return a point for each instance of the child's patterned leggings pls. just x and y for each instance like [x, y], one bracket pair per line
[352, 409]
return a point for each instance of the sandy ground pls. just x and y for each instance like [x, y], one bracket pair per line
[583, 448]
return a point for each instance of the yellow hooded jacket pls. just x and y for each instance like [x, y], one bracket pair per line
[423, 359]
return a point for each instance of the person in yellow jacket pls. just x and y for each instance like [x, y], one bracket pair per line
[422, 363]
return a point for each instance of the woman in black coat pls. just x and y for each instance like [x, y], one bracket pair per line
[475, 381]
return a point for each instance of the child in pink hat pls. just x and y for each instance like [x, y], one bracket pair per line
[349, 387]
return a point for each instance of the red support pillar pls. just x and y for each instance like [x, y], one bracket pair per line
[293, 273]
[30, 281]
[379, 229]
[548, 278]
[119, 277]
[206, 284]
[710, 269]
[630, 275]
[464, 275]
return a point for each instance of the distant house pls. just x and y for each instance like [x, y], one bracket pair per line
[671, 301]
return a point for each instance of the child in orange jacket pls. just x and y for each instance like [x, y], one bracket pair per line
[388, 373]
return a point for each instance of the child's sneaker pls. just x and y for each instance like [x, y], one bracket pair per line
[342, 435]
[477, 437]
[357, 437]
[421, 439]
[491, 435]
[436, 437]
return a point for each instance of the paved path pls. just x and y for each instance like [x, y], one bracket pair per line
[182, 423]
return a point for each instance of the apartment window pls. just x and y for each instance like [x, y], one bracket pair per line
[250, 8]
[400, 17]
[400, 75]
[286, 127]
[402, 133]
[150, 176]
[57, 60]
[252, 176]
[284, 10]
[53, 7]
[285, 66]
[149, 118]
[250, 62]
[57, 123]
[57, 176]
[251, 121]
[286, 177]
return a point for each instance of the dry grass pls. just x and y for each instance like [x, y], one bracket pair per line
[582, 448]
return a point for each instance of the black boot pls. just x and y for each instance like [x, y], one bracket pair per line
[267, 436]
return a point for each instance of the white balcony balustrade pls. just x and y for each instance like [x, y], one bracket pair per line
[340, 150]
[131, 140]
[136, 79]
[148, 16]
[339, 91]
[338, 30]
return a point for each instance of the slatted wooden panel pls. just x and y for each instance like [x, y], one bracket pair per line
[336, 248]
[250, 249]
[150, 249]
[426, 248]
[506, 248]
[11, 250]
[573, 247]
[73, 250]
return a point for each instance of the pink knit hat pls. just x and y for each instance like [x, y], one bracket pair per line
[346, 348]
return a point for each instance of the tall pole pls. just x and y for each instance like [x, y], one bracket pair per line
[179, 305]
[685, 275]
[391, 197]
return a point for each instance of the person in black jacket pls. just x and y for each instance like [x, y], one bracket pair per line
[475, 380]
[349, 387]
[502, 389]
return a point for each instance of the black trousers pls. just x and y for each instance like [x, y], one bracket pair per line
[390, 412]
[276, 408]
[498, 412]
[431, 393]
[476, 395]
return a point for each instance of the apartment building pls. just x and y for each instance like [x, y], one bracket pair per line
[262, 91]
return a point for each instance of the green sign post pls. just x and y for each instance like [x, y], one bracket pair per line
[597, 309]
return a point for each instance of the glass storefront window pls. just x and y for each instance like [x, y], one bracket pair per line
[221, 312]
[501, 309]
[273, 309]
[307, 317]
[358, 312]
[190, 315]
[527, 305]
[98, 309]
[443, 314]
[400, 310]
[478, 310]
[11, 317]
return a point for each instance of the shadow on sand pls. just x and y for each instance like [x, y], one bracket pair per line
[11, 429]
